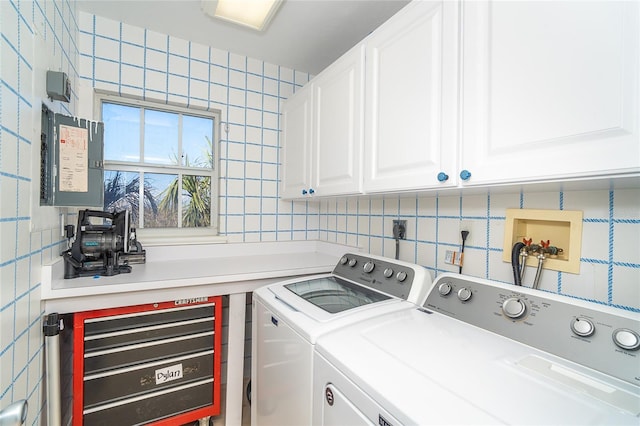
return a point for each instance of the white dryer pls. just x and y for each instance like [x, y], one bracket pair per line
[288, 318]
[481, 352]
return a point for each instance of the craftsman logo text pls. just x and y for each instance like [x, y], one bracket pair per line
[191, 300]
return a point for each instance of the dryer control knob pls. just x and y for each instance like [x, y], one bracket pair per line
[369, 266]
[626, 339]
[514, 307]
[352, 262]
[582, 327]
[401, 276]
[464, 294]
[344, 260]
[388, 272]
[444, 289]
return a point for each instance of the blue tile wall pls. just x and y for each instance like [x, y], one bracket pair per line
[34, 36]
[610, 255]
[131, 61]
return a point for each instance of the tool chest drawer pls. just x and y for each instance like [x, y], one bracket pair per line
[128, 382]
[155, 406]
[141, 353]
[148, 364]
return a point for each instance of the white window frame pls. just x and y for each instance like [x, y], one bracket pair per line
[172, 236]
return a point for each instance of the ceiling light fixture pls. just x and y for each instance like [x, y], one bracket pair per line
[255, 14]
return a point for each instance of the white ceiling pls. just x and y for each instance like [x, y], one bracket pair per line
[305, 35]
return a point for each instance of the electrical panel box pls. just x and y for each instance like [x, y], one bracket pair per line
[71, 167]
[58, 86]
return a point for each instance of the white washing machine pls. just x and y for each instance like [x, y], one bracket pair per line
[288, 318]
[481, 352]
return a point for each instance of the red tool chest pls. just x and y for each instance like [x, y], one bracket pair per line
[156, 364]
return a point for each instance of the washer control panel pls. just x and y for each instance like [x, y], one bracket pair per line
[394, 277]
[597, 336]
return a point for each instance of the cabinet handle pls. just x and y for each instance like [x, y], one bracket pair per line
[442, 177]
[304, 192]
[311, 191]
[465, 175]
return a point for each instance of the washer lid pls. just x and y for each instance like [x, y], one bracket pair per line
[334, 295]
[309, 320]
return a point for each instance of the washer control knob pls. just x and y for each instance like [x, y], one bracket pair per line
[369, 266]
[582, 327]
[388, 273]
[352, 262]
[401, 276]
[514, 307]
[626, 339]
[344, 260]
[444, 289]
[464, 294]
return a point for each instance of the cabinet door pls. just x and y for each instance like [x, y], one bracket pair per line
[411, 99]
[295, 165]
[337, 126]
[551, 90]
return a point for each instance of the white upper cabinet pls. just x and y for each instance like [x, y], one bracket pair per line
[550, 90]
[322, 132]
[337, 126]
[295, 169]
[457, 94]
[411, 99]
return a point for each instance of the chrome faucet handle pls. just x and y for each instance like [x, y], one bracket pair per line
[14, 414]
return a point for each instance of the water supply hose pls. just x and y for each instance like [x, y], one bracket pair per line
[536, 280]
[523, 262]
[515, 262]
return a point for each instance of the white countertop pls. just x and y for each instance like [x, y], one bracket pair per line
[189, 271]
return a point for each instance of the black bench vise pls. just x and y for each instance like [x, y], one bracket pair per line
[106, 246]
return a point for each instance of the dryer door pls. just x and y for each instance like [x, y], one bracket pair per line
[337, 401]
[338, 410]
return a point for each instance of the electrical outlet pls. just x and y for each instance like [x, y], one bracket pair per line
[453, 257]
[399, 229]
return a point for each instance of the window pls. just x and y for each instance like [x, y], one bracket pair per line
[160, 163]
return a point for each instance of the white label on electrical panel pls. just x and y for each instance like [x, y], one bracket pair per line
[74, 159]
[168, 374]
